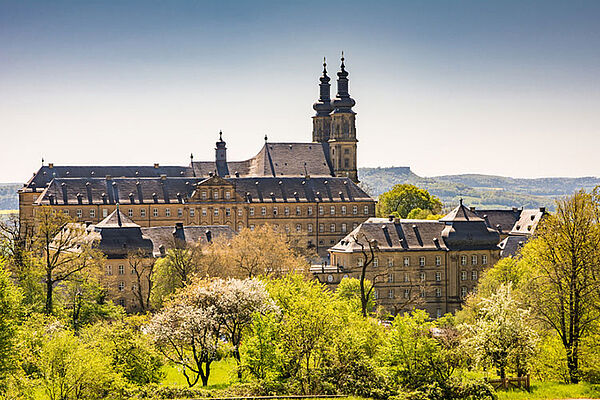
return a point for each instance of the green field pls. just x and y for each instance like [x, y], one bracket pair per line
[222, 374]
[553, 390]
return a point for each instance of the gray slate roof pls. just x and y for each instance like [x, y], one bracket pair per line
[193, 234]
[178, 190]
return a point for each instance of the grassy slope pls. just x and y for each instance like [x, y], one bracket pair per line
[552, 390]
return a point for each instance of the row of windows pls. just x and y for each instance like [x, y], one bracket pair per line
[309, 210]
[464, 260]
[121, 286]
[406, 261]
[120, 270]
[422, 261]
[263, 211]
[215, 194]
[464, 275]
[391, 293]
[332, 228]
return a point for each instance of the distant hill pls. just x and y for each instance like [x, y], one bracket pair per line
[483, 191]
[9, 200]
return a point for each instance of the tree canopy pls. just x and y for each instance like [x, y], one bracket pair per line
[403, 198]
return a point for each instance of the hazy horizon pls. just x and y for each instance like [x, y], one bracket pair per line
[505, 88]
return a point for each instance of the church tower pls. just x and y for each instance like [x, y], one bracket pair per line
[323, 107]
[342, 133]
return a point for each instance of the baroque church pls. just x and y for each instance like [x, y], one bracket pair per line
[306, 188]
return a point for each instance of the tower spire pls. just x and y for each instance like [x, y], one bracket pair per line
[343, 103]
[323, 108]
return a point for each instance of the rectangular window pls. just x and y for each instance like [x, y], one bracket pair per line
[438, 292]
[422, 294]
[263, 211]
[332, 210]
[251, 227]
[286, 211]
[473, 275]
[463, 260]
[463, 275]
[66, 212]
[309, 210]
[240, 212]
[438, 313]
[143, 212]
[204, 212]
[406, 293]
[366, 210]
[228, 211]
[109, 270]
[298, 211]
[121, 270]
[390, 278]
[376, 261]
[360, 262]
[274, 210]
[251, 211]
[438, 276]
[332, 227]
[298, 228]
[321, 212]
[122, 302]
[344, 228]
[406, 277]
[180, 212]
[79, 213]
[155, 212]
[390, 262]
[354, 225]
[406, 261]
[343, 210]
[375, 294]
[121, 286]
[104, 213]
[473, 260]
[463, 292]
[92, 213]
[321, 228]
[216, 212]
[354, 210]
[132, 271]
[168, 212]
[192, 212]
[390, 293]
[423, 276]
[216, 194]
[421, 261]
[438, 260]
[227, 195]
[130, 212]
[484, 260]
[309, 227]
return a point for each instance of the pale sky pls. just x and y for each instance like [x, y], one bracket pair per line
[508, 87]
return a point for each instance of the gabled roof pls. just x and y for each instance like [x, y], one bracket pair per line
[116, 219]
[461, 213]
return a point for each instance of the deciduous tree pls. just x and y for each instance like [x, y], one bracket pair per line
[403, 198]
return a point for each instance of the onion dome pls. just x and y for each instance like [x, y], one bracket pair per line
[343, 103]
[323, 106]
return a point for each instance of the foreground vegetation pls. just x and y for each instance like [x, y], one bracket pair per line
[243, 318]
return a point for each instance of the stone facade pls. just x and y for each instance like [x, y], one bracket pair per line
[418, 263]
[307, 188]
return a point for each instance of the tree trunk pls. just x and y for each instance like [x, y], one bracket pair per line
[238, 359]
[573, 364]
[206, 375]
[49, 287]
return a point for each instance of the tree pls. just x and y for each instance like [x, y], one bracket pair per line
[71, 369]
[143, 268]
[10, 302]
[403, 198]
[64, 249]
[565, 272]
[502, 334]
[187, 333]
[417, 213]
[233, 303]
[349, 291]
[263, 251]
[131, 352]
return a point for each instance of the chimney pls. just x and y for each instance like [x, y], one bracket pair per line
[472, 208]
[161, 250]
[390, 218]
[156, 165]
[208, 235]
[543, 210]
[50, 165]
